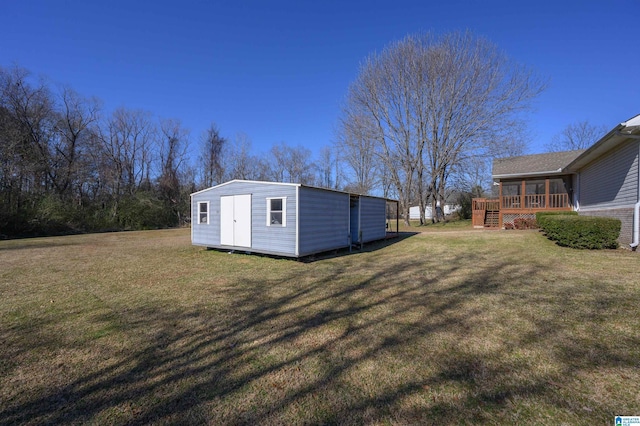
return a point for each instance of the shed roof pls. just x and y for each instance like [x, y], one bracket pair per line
[289, 184]
[536, 164]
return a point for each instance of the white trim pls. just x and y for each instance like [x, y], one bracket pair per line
[515, 175]
[199, 203]
[245, 181]
[632, 122]
[297, 221]
[284, 211]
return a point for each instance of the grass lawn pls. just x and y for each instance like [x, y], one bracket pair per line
[465, 327]
[449, 225]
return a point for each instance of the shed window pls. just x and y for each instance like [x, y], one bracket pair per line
[277, 211]
[203, 212]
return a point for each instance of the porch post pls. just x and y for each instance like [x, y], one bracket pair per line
[500, 223]
[546, 193]
[522, 194]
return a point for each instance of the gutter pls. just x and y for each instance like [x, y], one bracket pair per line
[627, 135]
[550, 172]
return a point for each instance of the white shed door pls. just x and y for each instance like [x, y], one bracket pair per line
[235, 220]
[242, 220]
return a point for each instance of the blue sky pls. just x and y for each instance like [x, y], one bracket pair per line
[278, 70]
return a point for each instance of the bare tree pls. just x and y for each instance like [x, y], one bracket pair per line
[126, 153]
[431, 102]
[291, 164]
[239, 162]
[356, 145]
[71, 143]
[580, 135]
[32, 112]
[326, 167]
[173, 152]
[278, 156]
[211, 156]
[300, 166]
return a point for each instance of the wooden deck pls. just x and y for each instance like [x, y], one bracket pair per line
[490, 212]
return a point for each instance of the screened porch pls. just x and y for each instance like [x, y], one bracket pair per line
[522, 198]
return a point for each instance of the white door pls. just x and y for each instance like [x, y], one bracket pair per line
[235, 220]
[226, 221]
[242, 220]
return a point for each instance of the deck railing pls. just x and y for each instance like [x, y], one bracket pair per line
[486, 204]
[528, 203]
[535, 201]
[559, 201]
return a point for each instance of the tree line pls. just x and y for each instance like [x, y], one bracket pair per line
[67, 166]
[423, 119]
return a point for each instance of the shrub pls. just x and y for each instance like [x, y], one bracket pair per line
[525, 223]
[557, 213]
[583, 232]
[540, 216]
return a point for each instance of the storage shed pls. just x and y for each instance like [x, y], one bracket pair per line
[284, 219]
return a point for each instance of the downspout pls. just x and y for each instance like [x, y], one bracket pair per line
[576, 193]
[297, 220]
[636, 226]
[636, 208]
[636, 213]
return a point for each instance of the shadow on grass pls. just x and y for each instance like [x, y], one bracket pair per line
[379, 346]
[391, 239]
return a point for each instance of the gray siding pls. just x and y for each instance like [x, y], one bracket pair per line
[207, 234]
[324, 220]
[372, 218]
[611, 181]
[267, 239]
[274, 239]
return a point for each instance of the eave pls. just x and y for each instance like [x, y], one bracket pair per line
[626, 130]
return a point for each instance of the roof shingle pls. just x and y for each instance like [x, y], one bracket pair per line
[536, 163]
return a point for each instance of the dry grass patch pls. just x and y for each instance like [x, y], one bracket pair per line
[442, 327]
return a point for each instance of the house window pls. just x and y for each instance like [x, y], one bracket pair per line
[535, 194]
[203, 212]
[277, 211]
[511, 189]
[558, 186]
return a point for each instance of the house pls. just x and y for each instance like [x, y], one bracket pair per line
[414, 212]
[284, 219]
[602, 180]
[526, 185]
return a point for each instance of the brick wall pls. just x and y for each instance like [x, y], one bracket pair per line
[625, 216]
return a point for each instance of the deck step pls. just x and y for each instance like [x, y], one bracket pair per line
[492, 218]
